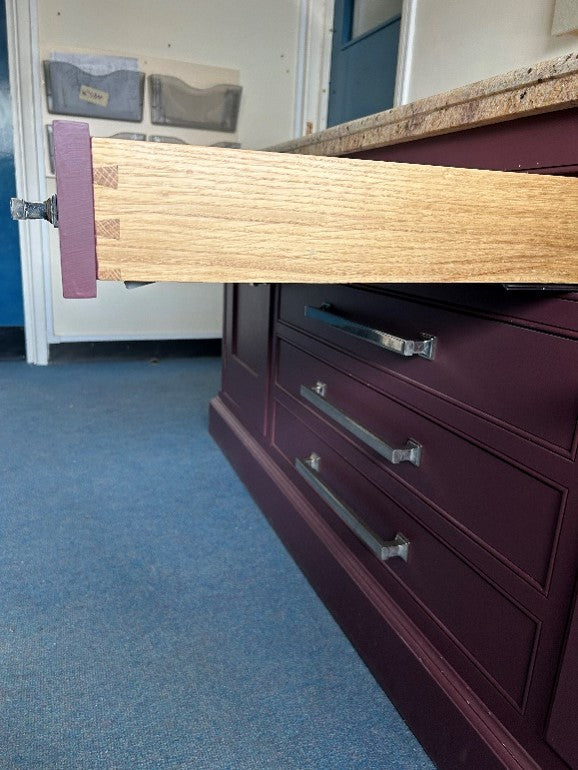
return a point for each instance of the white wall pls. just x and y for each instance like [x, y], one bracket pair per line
[256, 37]
[457, 42]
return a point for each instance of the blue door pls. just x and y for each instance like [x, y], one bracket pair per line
[364, 58]
[11, 305]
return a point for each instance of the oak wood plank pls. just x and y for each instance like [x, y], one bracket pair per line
[167, 212]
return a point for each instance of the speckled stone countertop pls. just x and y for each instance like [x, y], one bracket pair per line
[543, 87]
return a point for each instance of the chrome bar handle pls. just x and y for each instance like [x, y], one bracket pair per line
[424, 347]
[410, 453]
[384, 550]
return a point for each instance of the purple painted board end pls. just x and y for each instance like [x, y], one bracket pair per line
[73, 165]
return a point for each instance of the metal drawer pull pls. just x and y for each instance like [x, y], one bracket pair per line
[410, 453]
[384, 550]
[424, 347]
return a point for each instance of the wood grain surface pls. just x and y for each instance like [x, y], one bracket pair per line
[168, 212]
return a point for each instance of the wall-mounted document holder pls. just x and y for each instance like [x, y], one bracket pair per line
[132, 136]
[178, 140]
[135, 137]
[174, 103]
[229, 145]
[72, 91]
[166, 139]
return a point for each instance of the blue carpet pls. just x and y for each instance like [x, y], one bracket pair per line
[149, 617]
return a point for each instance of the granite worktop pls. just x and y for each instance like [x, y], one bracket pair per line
[543, 87]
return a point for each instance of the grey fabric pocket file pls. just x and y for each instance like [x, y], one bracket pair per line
[177, 140]
[72, 91]
[175, 103]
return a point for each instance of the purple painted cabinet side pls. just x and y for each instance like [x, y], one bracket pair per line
[246, 352]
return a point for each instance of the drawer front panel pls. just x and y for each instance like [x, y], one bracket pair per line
[538, 309]
[499, 504]
[473, 613]
[524, 379]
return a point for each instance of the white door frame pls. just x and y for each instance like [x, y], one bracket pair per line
[313, 66]
[314, 62]
[25, 90]
[405, 52]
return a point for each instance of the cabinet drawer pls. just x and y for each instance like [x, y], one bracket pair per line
[466, 483]
[434, 585]
[523, 379]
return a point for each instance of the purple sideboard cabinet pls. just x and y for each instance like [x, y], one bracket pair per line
[468, 450]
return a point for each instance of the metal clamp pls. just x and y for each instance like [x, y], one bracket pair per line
[21, 209]
[410, 453]
[384, 550]
[424, 347]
